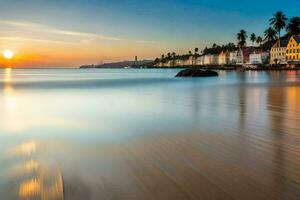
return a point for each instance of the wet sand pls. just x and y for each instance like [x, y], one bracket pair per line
[241, 140]
[197, 166]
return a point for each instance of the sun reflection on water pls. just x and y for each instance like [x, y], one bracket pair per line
[9, 92]
[24, 149]
[30, 188]
[21, 169]
[31, 165]
[47, 185]
[37, 179]
[28, 148]
[11, 120]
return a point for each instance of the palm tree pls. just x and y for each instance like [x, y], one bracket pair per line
[293, 27]
[278, 21]
[253, 38]
[196, 54]
[173, 58]
[168, 58]
[168, 55]
[242, 36]
[259, 40]
[162, 59]
[270, 34]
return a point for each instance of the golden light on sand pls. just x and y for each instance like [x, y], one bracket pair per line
[8, 54]
[27, 149]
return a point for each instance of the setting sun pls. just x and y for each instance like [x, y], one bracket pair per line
[8, 54]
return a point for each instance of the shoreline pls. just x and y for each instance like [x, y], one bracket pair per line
[211, 67]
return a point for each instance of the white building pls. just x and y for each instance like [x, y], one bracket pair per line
[199, 60]
[233, 57]
[243, 55]
[206, 59]
[278, 52]
[258, 58]
[224, 58]
[214, 59]
[179, 62]
[211, 59]
[190, 60]
[239, 57]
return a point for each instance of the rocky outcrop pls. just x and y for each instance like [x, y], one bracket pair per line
[196, 73]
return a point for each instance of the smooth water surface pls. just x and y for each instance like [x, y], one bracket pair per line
[143, 134]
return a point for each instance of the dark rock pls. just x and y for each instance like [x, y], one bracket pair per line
[196, 73]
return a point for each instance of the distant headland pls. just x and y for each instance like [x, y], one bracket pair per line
[122, 64]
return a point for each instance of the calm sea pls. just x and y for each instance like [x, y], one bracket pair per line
[143, 134]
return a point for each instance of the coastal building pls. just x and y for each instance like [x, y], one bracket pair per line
[206, 59]
[239, 57]
[293, 50]
[199, 60]
[246, 51]
[243, 55]
[178, 62]
[233, 58]
[224, 58]
[258, 58]
[190, 60]
[164, 64]
[211, 59]
[278, 52]
[214, 59]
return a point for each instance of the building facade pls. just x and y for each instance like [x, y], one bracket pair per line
[224, 58]
[199, 60]
[293, 50]
[239, 57]
[278, 52]
[246, 51]
[233, 58]
[258, 58]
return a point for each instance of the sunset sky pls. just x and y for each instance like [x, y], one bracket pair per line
[68, 33]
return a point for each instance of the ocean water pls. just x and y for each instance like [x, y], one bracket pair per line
[143, 134]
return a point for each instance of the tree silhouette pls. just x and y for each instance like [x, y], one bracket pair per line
[278, 21]
[270, 34]
[293, 27]
[259, 40]
[242, 37]
[253, 38]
